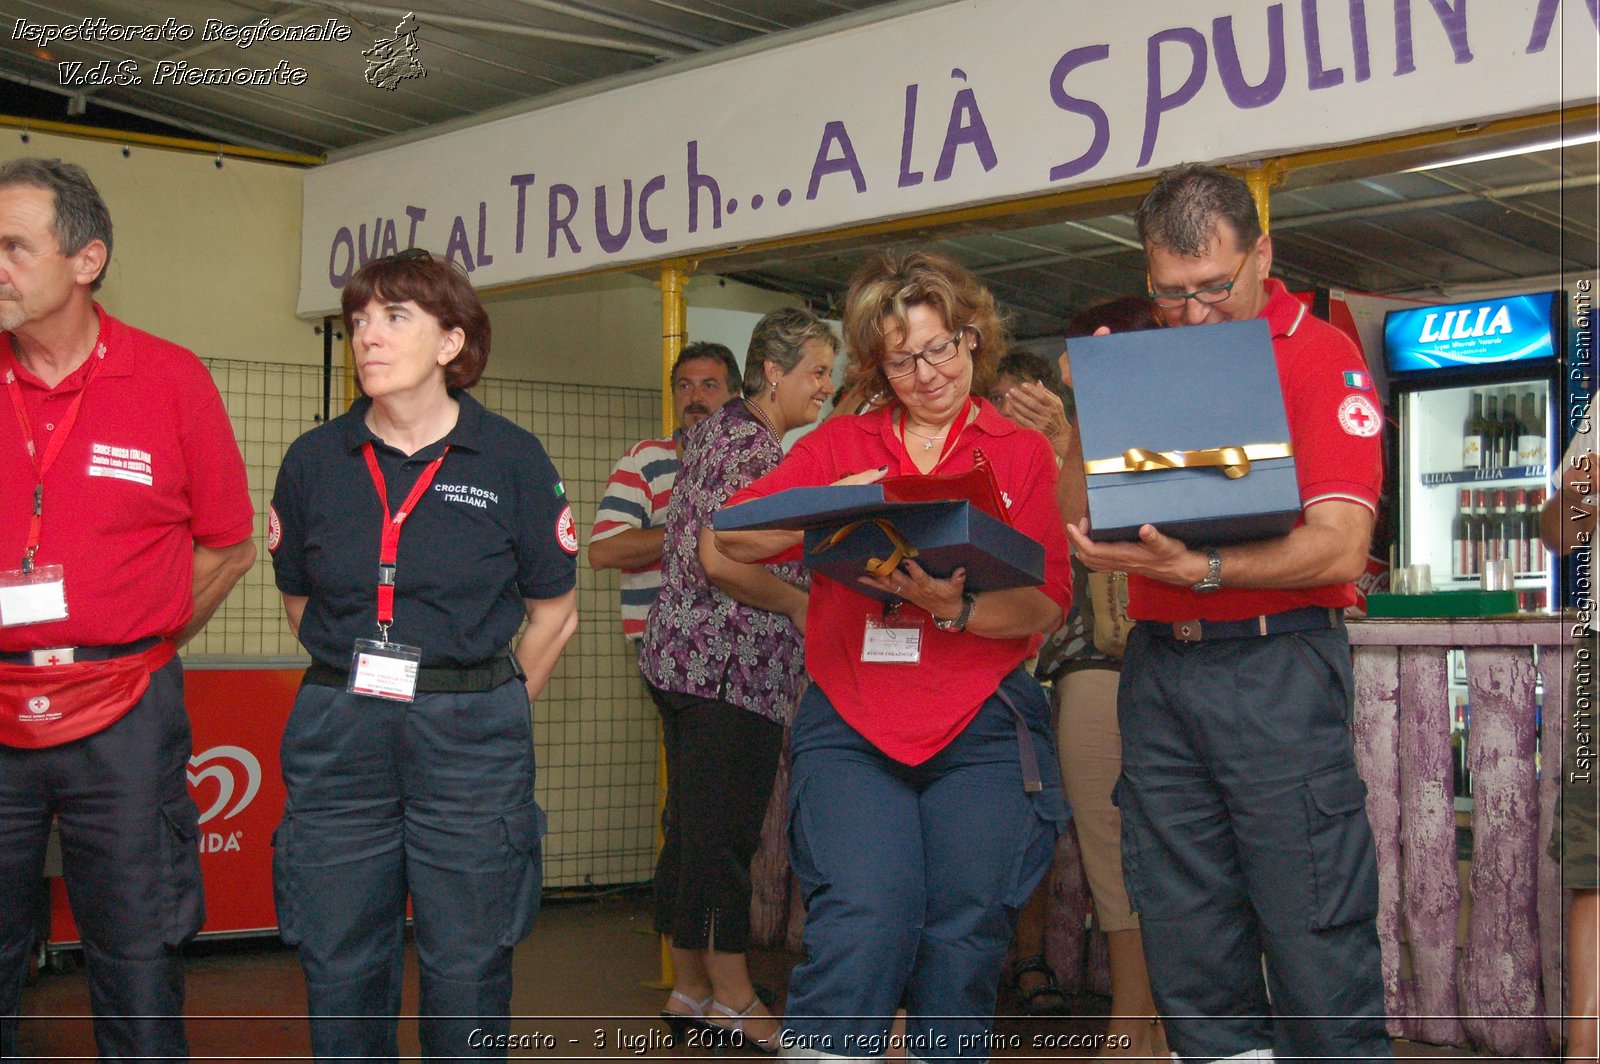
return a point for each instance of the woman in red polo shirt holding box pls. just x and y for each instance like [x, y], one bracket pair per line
[925, 800]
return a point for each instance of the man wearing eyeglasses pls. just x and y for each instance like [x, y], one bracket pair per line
[125, 519]
[629, 525]
[1244, 821]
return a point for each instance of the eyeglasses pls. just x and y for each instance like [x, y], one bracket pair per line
[934, 355]
[1208, 296]
[411, 255]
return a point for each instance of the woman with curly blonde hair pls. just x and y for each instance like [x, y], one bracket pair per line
[925, 799]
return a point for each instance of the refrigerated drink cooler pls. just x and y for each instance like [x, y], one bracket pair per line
[1475, 487]
[1477, 391]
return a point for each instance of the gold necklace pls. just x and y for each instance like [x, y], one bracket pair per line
[765, 420]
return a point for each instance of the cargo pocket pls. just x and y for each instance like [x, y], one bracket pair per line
[1041, 824]
[1344, 871]
[185, 896]
[522, 841]
[283, 884]
[803, 855]
[1132, 880]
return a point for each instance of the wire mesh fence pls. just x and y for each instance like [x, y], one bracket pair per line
[594, 726]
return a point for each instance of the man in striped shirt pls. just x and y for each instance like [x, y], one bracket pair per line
[628, 527]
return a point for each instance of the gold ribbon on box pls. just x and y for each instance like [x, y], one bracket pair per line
[879, 567]
[1233, 461]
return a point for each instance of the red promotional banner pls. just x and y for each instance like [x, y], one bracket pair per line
[238, 717]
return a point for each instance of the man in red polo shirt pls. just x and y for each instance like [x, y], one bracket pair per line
[124, 521]
[1244, 824]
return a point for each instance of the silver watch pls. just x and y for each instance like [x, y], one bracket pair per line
[1213, 577]
[958, 623]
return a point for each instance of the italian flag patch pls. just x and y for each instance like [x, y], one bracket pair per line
[1352, 379]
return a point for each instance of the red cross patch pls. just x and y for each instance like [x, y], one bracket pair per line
[566, 535]
[1359, 416]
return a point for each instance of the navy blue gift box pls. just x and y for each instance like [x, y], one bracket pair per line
[1184, 429]
[947, 535]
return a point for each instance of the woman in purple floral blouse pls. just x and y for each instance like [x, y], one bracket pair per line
[723, 656]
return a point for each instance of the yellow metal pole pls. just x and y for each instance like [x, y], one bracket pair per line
[674, 333]
[1261, 177]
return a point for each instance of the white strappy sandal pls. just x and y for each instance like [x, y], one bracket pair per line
[735, 1027]
[692, 1018]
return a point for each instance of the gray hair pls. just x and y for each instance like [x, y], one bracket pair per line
[1183, 212]
[81, 216]
[780, 338]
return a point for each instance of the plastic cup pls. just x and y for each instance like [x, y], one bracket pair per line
[1496, 575]
[1421, 579]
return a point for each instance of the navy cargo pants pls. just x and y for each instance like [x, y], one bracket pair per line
[912, 876]
[131, 858]
[433, 800]
[1245, 834]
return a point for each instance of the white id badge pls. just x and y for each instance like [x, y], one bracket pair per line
[384, 670]
[33, 598]
[892, 641]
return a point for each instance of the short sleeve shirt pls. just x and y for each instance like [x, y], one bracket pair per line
[911, 712]
[636, 497]
[1335, 426]
[698, 640]
[493, 529]
[149, 469]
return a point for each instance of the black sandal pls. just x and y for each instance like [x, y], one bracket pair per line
[1037, 1001]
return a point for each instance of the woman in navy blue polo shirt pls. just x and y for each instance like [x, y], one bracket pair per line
[410, 538]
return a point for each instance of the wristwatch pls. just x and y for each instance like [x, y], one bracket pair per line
[1213, 577]
[958, 623]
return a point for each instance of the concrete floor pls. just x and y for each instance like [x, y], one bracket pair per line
[584, 988]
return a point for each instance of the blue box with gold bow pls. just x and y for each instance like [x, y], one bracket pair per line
[851, 527]
[1184, 429]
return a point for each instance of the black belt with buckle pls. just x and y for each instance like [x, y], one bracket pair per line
[431, 679]
[1304, 619]
[100, 653]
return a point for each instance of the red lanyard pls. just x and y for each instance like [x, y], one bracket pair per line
[52, 450]
[389, 544]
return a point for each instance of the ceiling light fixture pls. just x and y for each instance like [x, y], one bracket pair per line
[1506, 153]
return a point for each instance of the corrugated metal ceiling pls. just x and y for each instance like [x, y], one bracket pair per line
[478, 55]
